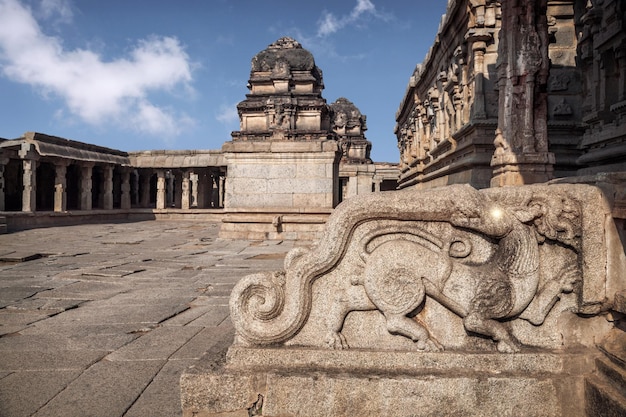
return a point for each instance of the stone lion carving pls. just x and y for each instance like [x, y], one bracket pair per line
[401, 269]
[401, 261]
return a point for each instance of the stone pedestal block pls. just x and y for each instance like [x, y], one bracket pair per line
[311, 382]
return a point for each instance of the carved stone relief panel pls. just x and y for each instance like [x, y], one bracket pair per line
[450, 268]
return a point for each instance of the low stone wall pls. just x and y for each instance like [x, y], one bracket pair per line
[278, 224]
[16, 221]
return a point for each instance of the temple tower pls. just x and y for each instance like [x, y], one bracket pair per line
[356, 170]
[283, 162]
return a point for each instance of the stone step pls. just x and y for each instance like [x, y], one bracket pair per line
[603, 399]
[605, 390]
[613, 373]
[3, 225]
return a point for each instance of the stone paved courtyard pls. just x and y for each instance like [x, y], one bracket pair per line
[100, 320]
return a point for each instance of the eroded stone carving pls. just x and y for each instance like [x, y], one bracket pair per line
[489, 257]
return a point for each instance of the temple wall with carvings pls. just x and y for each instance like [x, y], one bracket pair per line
[447, 120]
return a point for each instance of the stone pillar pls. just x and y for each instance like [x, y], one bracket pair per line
[145, 189]
[169, 189]
[160, 197]
[134, 199]
[185, 192]
[479, 47]
[222, 180]
[29, 162]
[60, 185]
[377, 182]
[107, 189]
[125, 202]
[194, 179]
[214, 192]
[3, 162]
[86, 170]
[213, 198]
[521, 155]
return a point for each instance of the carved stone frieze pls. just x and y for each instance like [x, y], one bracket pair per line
[562, 108]
[434, 269]
[560, 82]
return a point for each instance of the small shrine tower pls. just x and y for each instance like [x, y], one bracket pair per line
[283, 162]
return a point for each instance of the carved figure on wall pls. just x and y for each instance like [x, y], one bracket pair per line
[340, 120]
[283, 119]
[281, 69]
[559, 82]
[563, 109]
[430, 244]
[501, 145]
[279, 119]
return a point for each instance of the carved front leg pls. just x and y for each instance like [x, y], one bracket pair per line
[475, 322]
[346, 300]
[549, 294]
[334, 320]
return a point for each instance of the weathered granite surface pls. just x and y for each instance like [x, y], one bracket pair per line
[518, 265]
[103, 321]
[490, 302]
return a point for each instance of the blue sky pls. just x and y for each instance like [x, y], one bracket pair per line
[165, 74]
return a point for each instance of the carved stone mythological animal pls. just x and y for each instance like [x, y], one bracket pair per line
[409, 265]
[403, 262]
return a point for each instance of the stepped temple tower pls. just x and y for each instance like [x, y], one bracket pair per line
[295, 157]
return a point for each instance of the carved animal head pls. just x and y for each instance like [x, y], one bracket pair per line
[555, 216]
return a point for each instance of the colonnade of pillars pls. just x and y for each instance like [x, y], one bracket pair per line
[183, 189]
[38, 187]
[65, 184]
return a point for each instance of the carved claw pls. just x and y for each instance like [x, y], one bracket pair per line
[506, 346]
[569, 279]
[429, 345]
[337, 341]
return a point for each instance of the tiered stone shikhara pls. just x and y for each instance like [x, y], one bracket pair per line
[284, 164]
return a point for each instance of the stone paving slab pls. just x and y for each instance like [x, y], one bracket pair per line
[50, 358]
[162, 397]
[186, 316]
[18, 402]
[106, 389]
[20, 256]
[202, 341]
[69, 341]
[106, 322]
[214, 316]
[160, 343]
[85, 290]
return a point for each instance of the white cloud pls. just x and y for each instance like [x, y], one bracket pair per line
[330, 23]
[95, 90]
[59, 11]
[228, 114]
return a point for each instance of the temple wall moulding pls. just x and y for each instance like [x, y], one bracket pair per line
[453, 88]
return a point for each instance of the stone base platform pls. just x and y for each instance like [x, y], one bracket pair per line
[313, 382]
[274, 224]
[17, 220]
